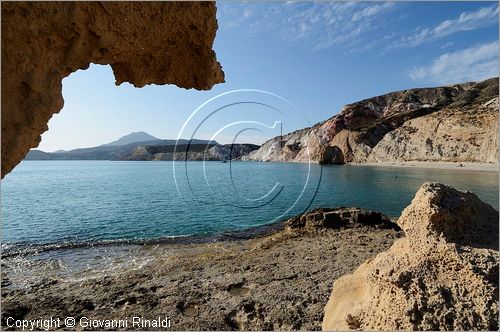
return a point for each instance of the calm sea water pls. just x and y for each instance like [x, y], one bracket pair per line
[88, 201]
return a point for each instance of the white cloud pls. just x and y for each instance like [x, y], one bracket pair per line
[371, 11]
[471, 64]
[355, 26]
[480, 18]
[447, 45]
[319, 24]
[247, 13]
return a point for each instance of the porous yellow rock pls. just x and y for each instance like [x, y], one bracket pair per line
[442, 276]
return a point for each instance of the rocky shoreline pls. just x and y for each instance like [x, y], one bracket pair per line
[245, 234]
[283, 280]
[278, 281]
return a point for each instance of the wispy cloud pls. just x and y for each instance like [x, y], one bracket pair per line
[371, 11]
[319, 24]
[466, 21]
[470, 64]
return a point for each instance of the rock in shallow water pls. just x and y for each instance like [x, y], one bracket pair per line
[341, 218]
[442, 276]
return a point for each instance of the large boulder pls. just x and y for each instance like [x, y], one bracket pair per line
[442, 276]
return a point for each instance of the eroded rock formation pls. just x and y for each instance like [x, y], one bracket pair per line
[442, 276]
[456, 123]
[144, 42]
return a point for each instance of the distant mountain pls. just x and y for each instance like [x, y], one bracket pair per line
[135, 137]
[197, 152]
[111, 151]
[39, 155]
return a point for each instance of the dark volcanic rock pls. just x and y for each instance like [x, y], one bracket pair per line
[332, 155]
[341, 218]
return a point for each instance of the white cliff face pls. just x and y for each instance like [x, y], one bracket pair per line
[460, 135]
[455, 123]
[294, 147]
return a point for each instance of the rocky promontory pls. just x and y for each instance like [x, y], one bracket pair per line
[457, 123]
[157, 149]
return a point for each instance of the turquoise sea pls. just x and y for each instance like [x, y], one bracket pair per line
[57, 202]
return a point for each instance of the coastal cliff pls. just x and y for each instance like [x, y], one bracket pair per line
[457, 123]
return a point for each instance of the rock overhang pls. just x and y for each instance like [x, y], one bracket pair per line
[144, 43]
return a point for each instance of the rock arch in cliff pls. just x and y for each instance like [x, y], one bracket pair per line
[143, 42]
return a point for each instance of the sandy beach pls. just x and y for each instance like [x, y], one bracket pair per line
[478, 167]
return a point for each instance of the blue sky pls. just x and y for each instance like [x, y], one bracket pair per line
[317, 55]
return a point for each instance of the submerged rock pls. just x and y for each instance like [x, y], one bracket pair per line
[276, 282]
[442, 276]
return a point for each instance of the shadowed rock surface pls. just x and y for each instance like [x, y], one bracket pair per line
[144, 42]
[442, 276]
[457, 123]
